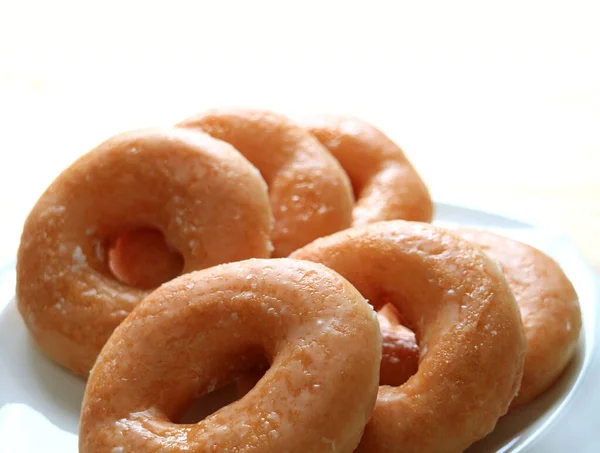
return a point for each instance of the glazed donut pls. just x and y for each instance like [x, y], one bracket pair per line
[192, 335]
[310, 193]
[471, 338]
[386, 185]
[549, 309]
[209, 202]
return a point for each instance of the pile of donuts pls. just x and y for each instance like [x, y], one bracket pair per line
[297, 261]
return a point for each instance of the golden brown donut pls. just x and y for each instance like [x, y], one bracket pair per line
[386, 185]
[209, 202]
[194, 334]
[470, 334]
[549, 308]
[310, 193]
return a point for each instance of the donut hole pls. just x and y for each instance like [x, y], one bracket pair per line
[246, 382]
[357, 188]
[208, 404]
[400, 349]
[234, 389]
[142, 258]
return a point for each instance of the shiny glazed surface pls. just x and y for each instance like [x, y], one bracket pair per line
[200, 330]
[549, 310]
[548, 303]
[199, 192]
[386, 185]
[466, 320]
[310, 193]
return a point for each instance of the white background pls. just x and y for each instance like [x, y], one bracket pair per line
[497, 103]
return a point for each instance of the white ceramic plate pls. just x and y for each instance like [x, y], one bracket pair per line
[39, 401]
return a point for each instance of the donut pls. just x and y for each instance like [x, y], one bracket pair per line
[465, 318]
[549, 309]
[198, 331]
[386, 185]
[207, 200]
[310, 193]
